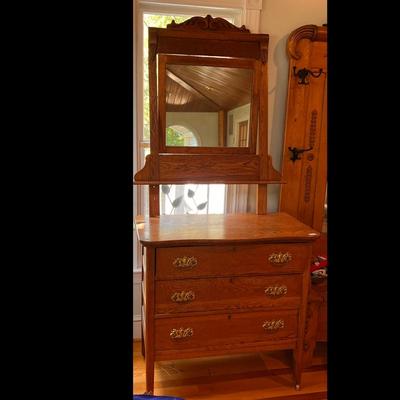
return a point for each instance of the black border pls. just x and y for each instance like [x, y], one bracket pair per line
[74, 218]
[361, 287]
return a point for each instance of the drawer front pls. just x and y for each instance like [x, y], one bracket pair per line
[198, 261]
[250, 293]
[211, 331]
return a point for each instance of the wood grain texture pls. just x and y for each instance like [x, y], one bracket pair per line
[149, 319]
[235, 330]
[262, 199]
[242, 259]
[153, 168]
[298, 353]
[310, 32]
[178, 230]
[218, 168]
[233, 293]
[214, 46]
[306, 126]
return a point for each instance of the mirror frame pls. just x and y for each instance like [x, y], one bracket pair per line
[213, 40]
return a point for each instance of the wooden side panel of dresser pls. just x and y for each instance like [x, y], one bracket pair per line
[222, 299]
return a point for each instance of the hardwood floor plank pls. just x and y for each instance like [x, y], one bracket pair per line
[257, 376]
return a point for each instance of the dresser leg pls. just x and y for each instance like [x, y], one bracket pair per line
[149, 371]
[298, 366]
[142, 341]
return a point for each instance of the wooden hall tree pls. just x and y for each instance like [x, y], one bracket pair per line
[304, 165]
[304, 150]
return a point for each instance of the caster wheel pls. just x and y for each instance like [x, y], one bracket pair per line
[297, 387]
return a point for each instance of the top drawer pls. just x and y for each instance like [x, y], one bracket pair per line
[201, 261]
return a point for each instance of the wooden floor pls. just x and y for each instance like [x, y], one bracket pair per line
[255, 376]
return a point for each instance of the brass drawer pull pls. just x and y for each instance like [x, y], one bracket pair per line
[274, 325]
[280, 258]
[185, 262]
[181, 333]
[183, 297]
[276, 291]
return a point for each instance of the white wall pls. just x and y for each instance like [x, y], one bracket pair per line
[204, 125]
[279, 18]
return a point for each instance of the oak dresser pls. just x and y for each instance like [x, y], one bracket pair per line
[223, 284]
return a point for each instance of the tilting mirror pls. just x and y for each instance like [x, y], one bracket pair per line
[207, 103]
[207, 106]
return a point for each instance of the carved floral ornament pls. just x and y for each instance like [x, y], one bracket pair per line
[207, 23]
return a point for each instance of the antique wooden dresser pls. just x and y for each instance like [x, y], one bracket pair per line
[223, 284]
[216, 284]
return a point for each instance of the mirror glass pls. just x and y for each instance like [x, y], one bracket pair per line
[208, 106]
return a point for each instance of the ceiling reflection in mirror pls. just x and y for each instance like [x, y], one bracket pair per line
[208, 106]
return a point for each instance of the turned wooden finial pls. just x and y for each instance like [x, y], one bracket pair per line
[311, 32]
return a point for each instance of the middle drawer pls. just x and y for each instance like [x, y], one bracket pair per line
[227, 293]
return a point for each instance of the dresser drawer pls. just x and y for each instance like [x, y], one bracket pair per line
[210, 331]
[199, 261]
[233, 293]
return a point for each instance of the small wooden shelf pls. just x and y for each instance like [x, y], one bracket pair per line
[280, 182]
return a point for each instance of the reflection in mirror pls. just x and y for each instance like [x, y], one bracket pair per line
[208, 106]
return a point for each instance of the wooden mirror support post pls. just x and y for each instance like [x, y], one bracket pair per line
[218, 284]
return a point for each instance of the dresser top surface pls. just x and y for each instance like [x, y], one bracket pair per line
[177, 230]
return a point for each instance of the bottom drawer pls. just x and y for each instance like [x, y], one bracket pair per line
[211, 331]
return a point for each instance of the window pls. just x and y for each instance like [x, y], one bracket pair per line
[192, 199]
[178, 135]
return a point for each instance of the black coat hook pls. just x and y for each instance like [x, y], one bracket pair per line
[303, 74]
[295, 152]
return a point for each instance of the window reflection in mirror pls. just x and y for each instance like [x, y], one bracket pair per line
[208, 106]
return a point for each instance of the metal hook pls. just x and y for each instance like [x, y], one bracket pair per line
[303, 74]
[295, 152]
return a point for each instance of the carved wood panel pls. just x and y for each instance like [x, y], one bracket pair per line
[304, 194]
